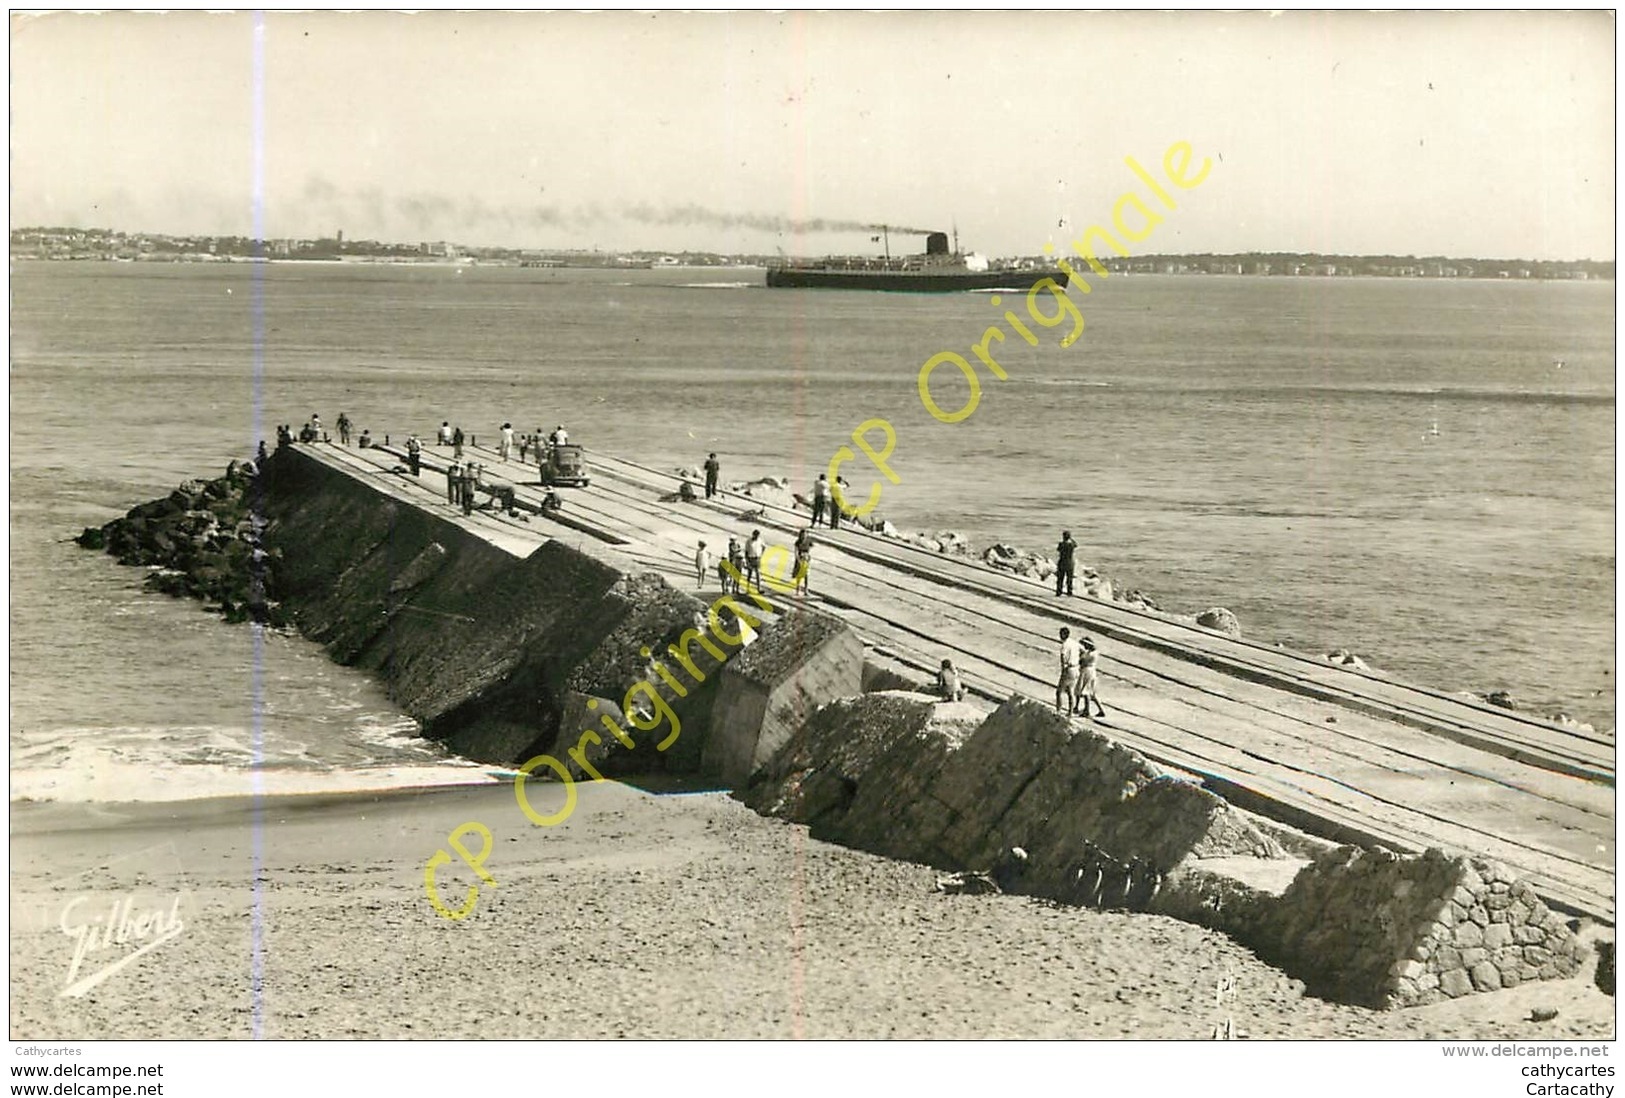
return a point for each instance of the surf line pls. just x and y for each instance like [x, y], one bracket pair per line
[1176, 165]
[644, 707]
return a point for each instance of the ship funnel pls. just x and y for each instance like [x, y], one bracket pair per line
[936, 244]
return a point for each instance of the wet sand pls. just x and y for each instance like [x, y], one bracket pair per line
[640, 916]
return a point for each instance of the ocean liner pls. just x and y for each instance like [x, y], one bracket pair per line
[937, 271]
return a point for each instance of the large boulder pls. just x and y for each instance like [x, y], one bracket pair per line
[1219, 620]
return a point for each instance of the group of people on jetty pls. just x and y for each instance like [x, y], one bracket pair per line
[1075, 691]
[741, 564]
[463, 481]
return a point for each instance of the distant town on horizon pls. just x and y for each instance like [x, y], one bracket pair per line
[65, 243]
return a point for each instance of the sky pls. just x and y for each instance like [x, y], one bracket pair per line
[1468, 134]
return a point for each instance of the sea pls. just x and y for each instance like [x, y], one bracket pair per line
[1419, 471]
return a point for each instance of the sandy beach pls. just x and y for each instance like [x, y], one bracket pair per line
[642, 916]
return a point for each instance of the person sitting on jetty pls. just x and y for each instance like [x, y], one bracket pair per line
[444, 437]
[804, 544]
[454, 482]
[1065, 561]
[702, 563]
[948, 684]
[283, 438]
[551, 503]
[753, 558]
[713, 470]
[686, 493]
[365, 440]
[1066, 690]
[315, 427]
[344, 429]
[414, 453]
[1087, 680]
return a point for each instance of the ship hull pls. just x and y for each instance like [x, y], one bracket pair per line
[915, 282]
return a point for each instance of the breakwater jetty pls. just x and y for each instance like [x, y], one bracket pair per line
[1387, 844]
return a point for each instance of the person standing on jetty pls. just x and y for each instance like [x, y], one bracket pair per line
[1065, 561]
[820, 498]
[722, 567]
[1086, 680]
[1071, 657]
[713, 470]
[561, 437]
[948, 684]
[804, 544]
[457, 444]
[505, 447]
[344, 429]
[753, 558]
[702, 565]
[454, 482]
[414, 453]
[835, 503]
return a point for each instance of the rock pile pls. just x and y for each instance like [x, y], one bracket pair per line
[1563, 720]
[205, 539]
[771, 491]
[1342, 657]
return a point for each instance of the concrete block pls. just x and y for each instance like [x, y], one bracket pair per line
[770, 689]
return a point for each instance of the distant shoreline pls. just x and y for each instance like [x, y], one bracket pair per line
[747, 265]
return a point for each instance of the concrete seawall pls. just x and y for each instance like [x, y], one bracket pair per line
[611, 670]
[485, 649]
